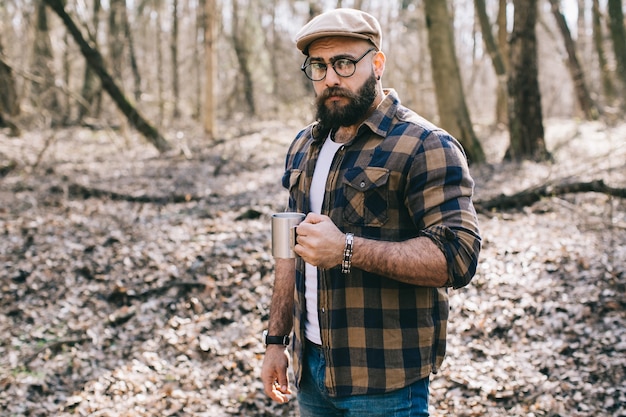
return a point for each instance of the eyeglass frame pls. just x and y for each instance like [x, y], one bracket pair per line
[332, 63]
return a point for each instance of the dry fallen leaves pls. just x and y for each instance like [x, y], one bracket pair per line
[118, 308]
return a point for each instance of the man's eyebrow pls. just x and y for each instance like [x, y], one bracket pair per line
[332, 59]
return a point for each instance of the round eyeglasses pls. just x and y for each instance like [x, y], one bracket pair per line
[343, 67]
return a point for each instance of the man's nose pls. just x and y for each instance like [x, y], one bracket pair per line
[332, 79]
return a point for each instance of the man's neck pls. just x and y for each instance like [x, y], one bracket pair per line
[344, 134]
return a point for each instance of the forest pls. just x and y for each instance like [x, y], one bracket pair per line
[142, 147]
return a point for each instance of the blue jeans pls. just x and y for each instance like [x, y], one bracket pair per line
[314, 401]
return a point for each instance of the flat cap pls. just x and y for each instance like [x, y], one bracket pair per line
[346, 22]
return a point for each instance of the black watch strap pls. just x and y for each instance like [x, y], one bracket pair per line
[275, 340]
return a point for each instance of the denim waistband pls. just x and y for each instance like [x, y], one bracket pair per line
[312, 345]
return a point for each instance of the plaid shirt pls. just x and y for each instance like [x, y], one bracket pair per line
[399, 178]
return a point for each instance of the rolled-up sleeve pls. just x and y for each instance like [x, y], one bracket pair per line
[439, 197]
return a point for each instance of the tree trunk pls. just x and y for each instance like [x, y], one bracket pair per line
[582, 40]
[43, 94]
[67, 74]
[9, 102]
[276, 47]
[453, 113]
[242, 50]
[618, 36]
[503, 32]
[95, 61]
[525, 114]
[502, 99]
[210, 42]
[496, 58]
[116, 39]
[174, 62]
[159, 68]
[91, 91]
[586, 104]
[598, 41]
[198, 66]
[133, 57]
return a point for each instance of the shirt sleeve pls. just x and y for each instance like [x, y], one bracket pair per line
[439, 197]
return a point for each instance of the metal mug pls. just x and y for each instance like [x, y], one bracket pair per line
[284, 233]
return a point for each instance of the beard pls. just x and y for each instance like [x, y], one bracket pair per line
[334, 115]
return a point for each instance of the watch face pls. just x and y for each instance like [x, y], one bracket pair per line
[264, 337]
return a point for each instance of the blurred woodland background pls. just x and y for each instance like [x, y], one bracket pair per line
[141, 150]
[167, 63]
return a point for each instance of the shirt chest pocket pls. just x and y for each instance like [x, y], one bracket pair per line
[367, 196]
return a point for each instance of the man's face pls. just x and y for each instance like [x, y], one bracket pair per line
[343, 101]
[332, 112]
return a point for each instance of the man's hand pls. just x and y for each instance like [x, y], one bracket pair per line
[320, 243]
[274, 373]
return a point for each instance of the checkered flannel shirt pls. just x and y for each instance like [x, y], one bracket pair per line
[399, 178]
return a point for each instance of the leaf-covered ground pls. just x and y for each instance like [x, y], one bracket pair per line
[134, 284]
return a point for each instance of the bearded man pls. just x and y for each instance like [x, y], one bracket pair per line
[390, 226]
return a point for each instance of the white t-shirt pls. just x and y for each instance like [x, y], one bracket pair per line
[318, 188]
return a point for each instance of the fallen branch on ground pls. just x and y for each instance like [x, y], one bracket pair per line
[121, 295]
[532, 195]
[55, 345]
[82, 191]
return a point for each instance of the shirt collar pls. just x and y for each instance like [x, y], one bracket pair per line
[380, 120]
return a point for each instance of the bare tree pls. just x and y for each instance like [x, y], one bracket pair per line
[453, 113]
[160, 67]
[618, 36]
[9, 101]
[586, 104]
[210, 42]
[91, 91]
[134, 66]
[502, 112]
[199, 53]
[525, 115]
[43, 93]
[243, 51]
[598, 41]
[496, 59]
[116, 37]
[95, 60]
[174, 60]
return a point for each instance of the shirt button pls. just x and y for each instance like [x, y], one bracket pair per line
[362, 184]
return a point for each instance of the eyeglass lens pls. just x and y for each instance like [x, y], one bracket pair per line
[344, 67]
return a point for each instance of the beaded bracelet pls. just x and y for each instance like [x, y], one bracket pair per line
[346, 265]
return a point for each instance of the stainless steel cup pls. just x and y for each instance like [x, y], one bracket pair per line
[284, 233]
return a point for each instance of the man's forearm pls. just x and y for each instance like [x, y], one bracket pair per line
[281, 309]
[416, 261]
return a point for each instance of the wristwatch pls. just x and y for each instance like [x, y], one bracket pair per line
[275, 340]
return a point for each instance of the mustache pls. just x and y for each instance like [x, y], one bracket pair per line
[335, 92]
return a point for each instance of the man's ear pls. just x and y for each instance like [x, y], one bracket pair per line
[379, 64]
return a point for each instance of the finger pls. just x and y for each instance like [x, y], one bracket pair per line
[283, 383]
[279, 396]
[278, 393]
[313, 218]
[271, 390]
